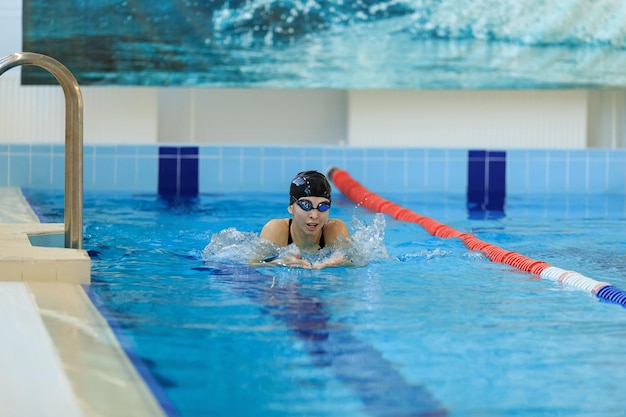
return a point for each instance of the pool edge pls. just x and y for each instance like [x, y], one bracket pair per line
[102, 378]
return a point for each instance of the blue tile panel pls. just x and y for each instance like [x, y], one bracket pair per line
[178, 171]
[105, 167]
[216, 168]
[566, 171]
[486, 180]
[257, 169]
[120, 167]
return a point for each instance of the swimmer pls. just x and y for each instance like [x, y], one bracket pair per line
[309, 227]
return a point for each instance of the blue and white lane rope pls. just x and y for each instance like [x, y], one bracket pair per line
[362, 196]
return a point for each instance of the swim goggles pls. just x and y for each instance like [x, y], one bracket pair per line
[306, 205]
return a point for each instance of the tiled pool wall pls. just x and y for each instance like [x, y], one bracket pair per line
[190, 169]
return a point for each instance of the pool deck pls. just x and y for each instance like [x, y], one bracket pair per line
[57, 348]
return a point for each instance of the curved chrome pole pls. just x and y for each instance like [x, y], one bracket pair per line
[73, 139]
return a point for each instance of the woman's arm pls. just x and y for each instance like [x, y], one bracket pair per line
[336, 259]
[336, 233]
[276, 231]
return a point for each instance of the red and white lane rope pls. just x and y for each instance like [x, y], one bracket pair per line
[362, 196]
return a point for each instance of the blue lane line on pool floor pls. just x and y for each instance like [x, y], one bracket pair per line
[144, 371]
[382, 389]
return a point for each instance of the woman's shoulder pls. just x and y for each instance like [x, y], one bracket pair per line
[336, 227]
[336, 223]
[276, 230]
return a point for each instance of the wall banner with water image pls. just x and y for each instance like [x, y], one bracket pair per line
[362, 44]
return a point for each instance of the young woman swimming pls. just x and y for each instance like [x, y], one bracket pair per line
[309, 226]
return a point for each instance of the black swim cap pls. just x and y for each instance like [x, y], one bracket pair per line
[309, 184]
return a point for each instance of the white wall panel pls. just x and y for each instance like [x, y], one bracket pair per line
[478, 119]
[607, 118]
[270, 116]
[120, 114]
[111, 114]
[30, 114]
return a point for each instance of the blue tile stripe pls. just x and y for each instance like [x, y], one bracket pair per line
[486, 180]
[178, 171]
[267, 168]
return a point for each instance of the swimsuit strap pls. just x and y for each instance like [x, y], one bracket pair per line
[290, 240]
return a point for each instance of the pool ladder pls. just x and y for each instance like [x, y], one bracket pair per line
[73, 139]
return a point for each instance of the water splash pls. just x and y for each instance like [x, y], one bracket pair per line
[366, 244]
[234, 245]
[370, 239]
[425, 255]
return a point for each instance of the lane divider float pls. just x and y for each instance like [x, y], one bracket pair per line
[363, 197]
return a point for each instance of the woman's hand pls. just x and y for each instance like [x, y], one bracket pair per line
[336, 259]
[293, 260]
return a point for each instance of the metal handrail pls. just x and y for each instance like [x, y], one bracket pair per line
[73, 139]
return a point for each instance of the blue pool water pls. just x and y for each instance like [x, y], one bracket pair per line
[427, 327]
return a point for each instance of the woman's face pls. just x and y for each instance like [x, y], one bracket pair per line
[313, 220]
